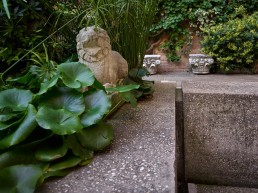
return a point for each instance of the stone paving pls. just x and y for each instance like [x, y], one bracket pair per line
[188, 76]
[142, 156]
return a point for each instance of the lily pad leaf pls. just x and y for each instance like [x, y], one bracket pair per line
[97, 103]
[23, 131]
[48, 84]
[6, 125]
[124, 88]
[64, 98]
[68, 162]
[96, 137]
[6, 114]
[138, 73]
[61, 122]
[129, 97]
[19, 178]
[24, 79]
[16, 157]
[77, 149]
[51, 150]
[16, 99]
[76, 75]
[58, 173]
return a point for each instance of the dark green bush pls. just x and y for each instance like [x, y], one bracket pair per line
[233, 44]
[173, 18]
[32, 22]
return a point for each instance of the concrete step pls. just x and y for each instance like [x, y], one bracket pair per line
[142, 156]
[221, 133]
[200, 188]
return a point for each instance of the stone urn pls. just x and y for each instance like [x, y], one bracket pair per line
[151, 62]
[200, 63]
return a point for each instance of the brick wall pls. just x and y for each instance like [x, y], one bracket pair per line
[181, 65]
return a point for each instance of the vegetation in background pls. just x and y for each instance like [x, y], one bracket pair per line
[128, 24]
[175, 17]
[30, 23]
[233, 44]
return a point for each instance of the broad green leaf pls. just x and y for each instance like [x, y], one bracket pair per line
[86, 162]
[5, 3]
[129, 97]
[77, 149]
[16, 99]
[16, 157]
[51, 150]
[138, 73]
[58, 173]
[97, 103]
[6, 125]
[19, 178]
[64, 98]
[61, 122]
[46, 85]
[31, 74]
[98, 85]
[76, 75]
[69, 162]
[23, 131]
[37, 137]
[7, 114]
[124, 88]
[96, 137]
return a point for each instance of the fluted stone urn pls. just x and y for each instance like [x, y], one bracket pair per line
[200, 63]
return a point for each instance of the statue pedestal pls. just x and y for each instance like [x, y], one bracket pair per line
[151, 63]
[200, 63]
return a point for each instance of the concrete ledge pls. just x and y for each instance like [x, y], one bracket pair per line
[199, 188]
[221, 133]
[142, 156]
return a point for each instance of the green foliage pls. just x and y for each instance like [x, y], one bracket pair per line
[128, 24]
[135, 77]
[51, 128]
[20, 178]
[233, 44]
[24, 25]
[174, 18]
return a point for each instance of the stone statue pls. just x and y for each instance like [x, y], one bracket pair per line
[94, 50]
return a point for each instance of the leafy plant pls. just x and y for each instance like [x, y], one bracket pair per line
[233, 44]
[176, 18]
[25, 25]
[47, 130]
[128, 24]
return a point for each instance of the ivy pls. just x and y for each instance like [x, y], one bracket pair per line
[174, 17]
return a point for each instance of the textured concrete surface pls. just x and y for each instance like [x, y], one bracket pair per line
[142, 156]
[221, 132]
[199, 188]
[179, 77]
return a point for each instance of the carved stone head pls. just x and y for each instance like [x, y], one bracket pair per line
[93, 44]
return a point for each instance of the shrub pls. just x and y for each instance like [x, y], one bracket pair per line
[173, 18]
[233, 44]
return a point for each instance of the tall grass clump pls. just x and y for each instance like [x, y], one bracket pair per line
[128, 24]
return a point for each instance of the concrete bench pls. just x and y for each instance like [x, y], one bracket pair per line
[221, 133]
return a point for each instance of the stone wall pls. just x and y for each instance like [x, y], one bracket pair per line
[181, 65]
